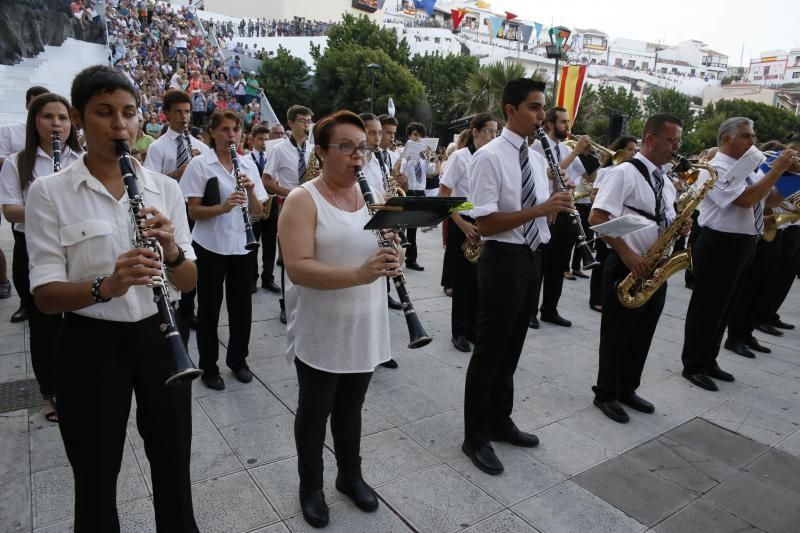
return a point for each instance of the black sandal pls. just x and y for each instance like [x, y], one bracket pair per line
[50, 416]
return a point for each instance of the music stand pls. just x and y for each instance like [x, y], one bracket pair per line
[412, 212]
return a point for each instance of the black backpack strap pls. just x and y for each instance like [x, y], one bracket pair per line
[646, 175]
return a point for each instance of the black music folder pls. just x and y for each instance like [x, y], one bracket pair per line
[412, 211]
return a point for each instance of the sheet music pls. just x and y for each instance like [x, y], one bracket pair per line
[745, 166]
[622, 226]
[412, 150]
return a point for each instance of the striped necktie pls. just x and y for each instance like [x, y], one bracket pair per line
[661, 207]
[758, 212]
[182, 155]
[528, 189]
[420, 179]
[301, 163]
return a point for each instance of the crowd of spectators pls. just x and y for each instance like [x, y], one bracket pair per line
[297, 27]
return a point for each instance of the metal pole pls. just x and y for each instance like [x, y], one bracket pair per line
[555, 84]
[372, 93]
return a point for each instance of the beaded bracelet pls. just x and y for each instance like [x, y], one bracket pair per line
[96, 290]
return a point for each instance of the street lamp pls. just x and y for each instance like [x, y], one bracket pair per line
[373, 69]
[558, 36]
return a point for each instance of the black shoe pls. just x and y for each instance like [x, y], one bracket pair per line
[740, 348]
[243, 374]
[413, 265]
[315, 510]
[753, 343]
[516, 437]
[613, 410]
[270, 286]
[461, 344]
[253, 287]
[359, 492]
[391, 363]
[769, 329]
[394, 304]
[20, 315]
[690, 285]
[579, 274]
[189, 318]
[718, 373]
[214, 382]
[778, 323]
[484, 458]
[556, 319]
[700, 379]
[533, 323]
[283, 316]
[634, 401]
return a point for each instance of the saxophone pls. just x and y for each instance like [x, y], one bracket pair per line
[312, 168]
[633, 293]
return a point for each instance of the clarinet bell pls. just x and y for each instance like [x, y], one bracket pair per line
[185, 370]
[416, 332]
[252, 242]
[587, 259]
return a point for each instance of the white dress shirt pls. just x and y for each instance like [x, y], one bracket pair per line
[560, 150]
[10, 191]
[162, 154]
[409, 168]
[624, 187]
[282, 163]
[456, 175]
[222, 234]
[717, 210]
[601, 176]
[76, 231]
[372, 170]
[495, 184]
[12, 139]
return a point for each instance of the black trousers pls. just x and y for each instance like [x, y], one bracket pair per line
[555, 261]
[99, 364]
[411, 234]
[625, 335]
[267, 233]
[596, 281]
[788, 266]
[213, 272]
[506, 276]
[753, 302]
[691, 240]
[186, 305]
[464, 277]
[321, 394]
[720, 261]
[583, 211]
[42, 328]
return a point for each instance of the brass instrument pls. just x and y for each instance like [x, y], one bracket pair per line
[773, 221]
[391, 181]
[794, 168]
[598, 150]
[312, 168]
[472, 249]
[633, 293]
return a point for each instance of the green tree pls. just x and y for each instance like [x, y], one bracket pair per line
[483, 90]
[439, 75]
[286, 81]
[618, 100]
[362, 31]
[672, 102]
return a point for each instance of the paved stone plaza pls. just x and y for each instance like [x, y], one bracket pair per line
[725, 461]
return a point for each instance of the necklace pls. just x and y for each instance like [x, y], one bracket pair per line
[324, 184]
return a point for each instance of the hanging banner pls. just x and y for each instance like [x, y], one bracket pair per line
[426, 5]
[458, 17]
[525, 33]
[481, 4]
[570, 88]
[510, 15]
[495, 23]
[538, 30]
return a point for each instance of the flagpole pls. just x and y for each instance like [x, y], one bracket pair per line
[555, 82]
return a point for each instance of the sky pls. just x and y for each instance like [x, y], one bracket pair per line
[724, 25]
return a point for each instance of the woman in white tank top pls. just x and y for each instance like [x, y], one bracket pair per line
[338, 322]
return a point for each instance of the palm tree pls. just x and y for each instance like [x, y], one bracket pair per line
[483, 90]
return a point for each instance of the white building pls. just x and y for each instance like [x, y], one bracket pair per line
[775, 67]
[753, 93]
[590, 46]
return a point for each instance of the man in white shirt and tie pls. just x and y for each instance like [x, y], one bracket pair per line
[417, 171]
[732, 220]
[508, 187]
[265, 230]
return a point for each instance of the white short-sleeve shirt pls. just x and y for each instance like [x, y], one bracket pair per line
[283, 163]
[717, 210]
[12, 139]
[560, 150]
[162, 154]
[456, 174]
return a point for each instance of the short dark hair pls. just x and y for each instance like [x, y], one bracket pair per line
[366, 117]
[552, 114]
[98, 79]
[415, 126]
[323, 130]
[260, 130]
[622, 142]
[387, 120]
[175, 96]
[655, 124]
[516, 91]
[295, 110]
[33, 92]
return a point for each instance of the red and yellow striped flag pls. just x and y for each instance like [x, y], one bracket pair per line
[569, 89]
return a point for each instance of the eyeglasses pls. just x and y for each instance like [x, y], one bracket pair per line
[348, 149]
[671, 140]
[305, 121]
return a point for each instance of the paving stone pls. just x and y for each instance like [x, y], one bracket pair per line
[423, 500]
[274, 528]
[716, 442]
[347, 518]
[750, 421]
[272, 369]
[390, 455]
[231, 503]
[792, 444]
[13, 422]
[523, 477]
[280, 482]
[14, 458]
[681, 465]
[627, 485]
[47, 449]
[15, 503]
[403, 403]
[231, 383]
[780, 468]
[65, 526]
[286, 391]
[616, 438]
[231, 408]
[566, 450]
[137, 515]
[12, 367]
[775, 403]
[504, 522]
[13, 344]
[704, 516]
[441, 435]
[568, 508]
[262, 441]
[758, 502]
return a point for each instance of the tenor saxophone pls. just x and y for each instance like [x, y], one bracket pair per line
[632, 292]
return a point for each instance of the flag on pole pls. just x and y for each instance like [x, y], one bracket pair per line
[510, 15]
[458, 17]
[570, 88]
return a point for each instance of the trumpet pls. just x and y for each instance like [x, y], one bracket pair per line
[794, 169]
[773, 221]
[598, 150]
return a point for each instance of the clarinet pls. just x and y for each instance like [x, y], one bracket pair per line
[250, 237]
[391, 190]
[56, 140]
[581, 245]
[415, 330]
[188, 140]
[182, 369]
